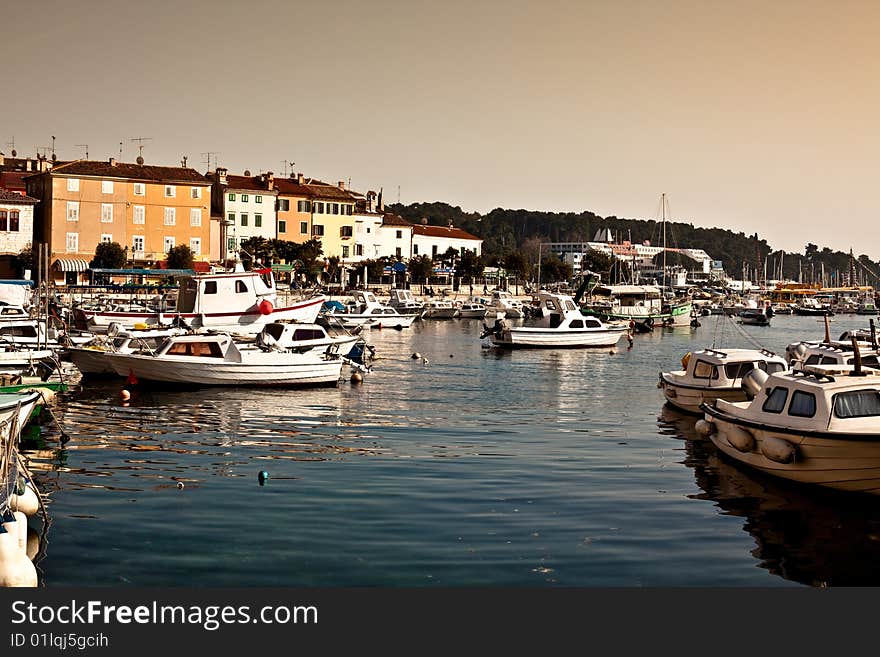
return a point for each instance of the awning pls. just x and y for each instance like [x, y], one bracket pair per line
[71, 264]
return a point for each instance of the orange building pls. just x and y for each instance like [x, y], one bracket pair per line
[147, 209]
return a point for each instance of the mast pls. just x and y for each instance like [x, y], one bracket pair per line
[663, 219]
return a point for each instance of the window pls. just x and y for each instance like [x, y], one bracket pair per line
[203, 349]
[284, 204]
[195, 245]
[282, 226]
[106, 186]
[319, 208]
[349, 209]
[240, 287]
[244, 219]
[73, 210]
[415, 248]
[860, 403]
[359, 249]
[73, 184]
[244, 198]
[137, 243]
[776, 400]
[317, 230]
[3, 220]
[258, 221]
[231, 217]
[704, 370]
[336, 208]
[738, 370]
[13, 220]
[231, 196]
[346, 231]
[230, 244]
[195, 216]
[258, 199]
[345, 251]
[138, 214]
[303, 206]
[368, 230]
[170, 191]
[304, 227]
[399, 234]
[210, 287]
[106, 238]
[771, 368]
[169, 243]
[433, 249]
[72, 242]
[803, 404]
[106, 213]
[592, 323]
[397, 252]
[139, 189]
[170, 216]
[196, 192]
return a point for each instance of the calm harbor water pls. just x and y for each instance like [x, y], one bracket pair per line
[477, 468]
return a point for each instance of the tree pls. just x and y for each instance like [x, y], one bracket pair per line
[470, 267]
[180, 257]
[420, 269]
[25, 260]
[258, 248]
[517, 264]
[597, 261]
[553, 269]
[109, 255]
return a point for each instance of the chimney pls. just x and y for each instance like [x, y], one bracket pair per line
[28, 165]
[270, 180]
[299, 179]
[342, 185]
[221, 175]
[112, 161]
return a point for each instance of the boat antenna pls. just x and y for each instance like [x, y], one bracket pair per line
[827, 330]
[857, 358]
[873, 333]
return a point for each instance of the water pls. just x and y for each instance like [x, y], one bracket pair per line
[479, 467]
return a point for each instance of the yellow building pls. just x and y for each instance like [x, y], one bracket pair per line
[147, 209]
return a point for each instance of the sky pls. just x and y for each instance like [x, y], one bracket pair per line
[753, 116]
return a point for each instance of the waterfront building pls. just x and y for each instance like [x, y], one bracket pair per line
[333, 218]
[16, 228]
[247, 205]
[368, 215]
[395, 236]
[294, 209]
[148, 209]
[434, 241]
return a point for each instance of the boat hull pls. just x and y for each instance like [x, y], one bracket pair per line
[532, 338]
[689, 398]
[678, 316]
[265, 369]
[847, 462]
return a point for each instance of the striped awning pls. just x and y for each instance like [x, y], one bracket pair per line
[71, 264]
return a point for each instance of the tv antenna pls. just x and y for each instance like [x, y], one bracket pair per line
[42, 151]
[207, 159]
[287, 162]
[86, 146]
[11, 145]
[398, 195]
[120, 150]
[140, 141]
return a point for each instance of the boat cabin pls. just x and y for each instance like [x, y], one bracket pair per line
[725, 369]
[211, 293]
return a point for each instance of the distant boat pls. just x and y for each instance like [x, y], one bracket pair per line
[562, 325]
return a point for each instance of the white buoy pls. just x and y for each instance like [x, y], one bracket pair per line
[28, 502]
[740, 439]
[778, 449]
[16, 570]
[17, 526]
[416, 355]
[357, 377]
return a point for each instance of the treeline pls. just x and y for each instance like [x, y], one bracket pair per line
[508, 232]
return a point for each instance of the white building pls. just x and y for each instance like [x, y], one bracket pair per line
[434, 241]
[248, 207]
[395, 237]
[367, 223]
[16, 227]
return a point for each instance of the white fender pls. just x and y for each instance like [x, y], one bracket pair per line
[740, 439]
[33, 543]
[704, 428]
[15, 568]
[778, 449]
[17, 526]
[28, 502]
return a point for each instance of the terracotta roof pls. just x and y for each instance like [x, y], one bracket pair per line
[128, 171]
[253, 183]
[290, 187]
[391, 219]
[314, 189]
[8, 196]
[443, 231]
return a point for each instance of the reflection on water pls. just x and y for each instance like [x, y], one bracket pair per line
[466, 466]
[804, 534]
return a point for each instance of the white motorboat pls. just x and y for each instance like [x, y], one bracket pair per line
[562, 325]
[91, 358]
[819, 425]
[367, 311]
[472, 310]
[755, 317]
[711, 374]
[440, 309]
[216, 359]
[405, 303]
[305, 338]
[243, 301]
[504, 302]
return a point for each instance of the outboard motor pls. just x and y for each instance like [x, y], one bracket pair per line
[753, 381]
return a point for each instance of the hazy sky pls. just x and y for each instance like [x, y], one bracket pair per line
[753, 116]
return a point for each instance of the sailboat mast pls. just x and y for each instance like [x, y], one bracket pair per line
[663, 219]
